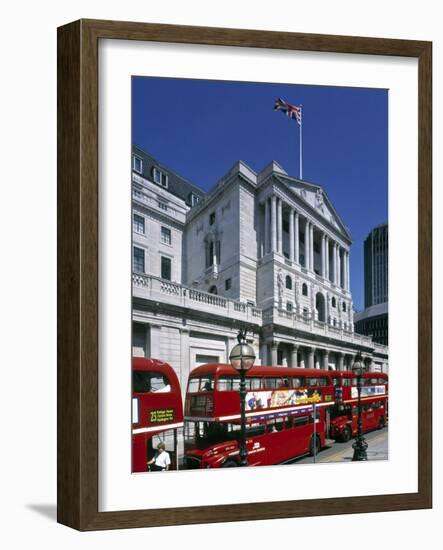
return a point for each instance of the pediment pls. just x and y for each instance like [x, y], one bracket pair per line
[316, 198]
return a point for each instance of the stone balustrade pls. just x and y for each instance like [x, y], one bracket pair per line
[153, 288]
[156, 289]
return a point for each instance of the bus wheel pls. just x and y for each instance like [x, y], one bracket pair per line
[346, 434]
[314, 445]
[382, 423]
[229, 464]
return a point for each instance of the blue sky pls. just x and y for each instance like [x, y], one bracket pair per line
[199, 128]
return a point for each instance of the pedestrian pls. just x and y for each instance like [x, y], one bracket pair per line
[161, 460]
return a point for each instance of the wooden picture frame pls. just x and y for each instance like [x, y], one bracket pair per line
[78, 273]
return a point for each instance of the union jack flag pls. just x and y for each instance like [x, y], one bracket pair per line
[292, 111]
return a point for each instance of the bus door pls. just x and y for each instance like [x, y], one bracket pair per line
[169, 438]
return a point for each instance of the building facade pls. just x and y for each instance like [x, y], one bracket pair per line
[374, 320]
[376, 249]
[264, 250]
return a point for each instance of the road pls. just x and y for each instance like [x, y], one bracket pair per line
[342, 452]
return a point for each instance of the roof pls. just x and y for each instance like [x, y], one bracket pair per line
[373, 311]
[177, 185]
[148, 364]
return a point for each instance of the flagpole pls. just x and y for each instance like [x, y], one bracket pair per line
[301, 142]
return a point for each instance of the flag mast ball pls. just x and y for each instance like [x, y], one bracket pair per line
[295, 112]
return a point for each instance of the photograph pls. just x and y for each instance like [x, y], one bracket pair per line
[259, 274]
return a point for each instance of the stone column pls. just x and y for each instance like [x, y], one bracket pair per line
[327, 257]
[147, 340]
[291, 235]
[274, 355]
[184, 359]
[279, 227]
[348, 275]
[326, 359]
[266, 228]
[311, 247]
[311, 358]
[340, 361]
[323, 255]
[297, 238]
[294, 356]
[307, 244]
[338, 266]
[273, 223]
[334, 262]
[264, 353]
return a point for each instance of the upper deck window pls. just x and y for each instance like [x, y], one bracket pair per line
[201, 384]
[149, 382]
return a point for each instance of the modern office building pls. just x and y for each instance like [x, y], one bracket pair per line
[376, 266]
[373, 321]
[265, 250]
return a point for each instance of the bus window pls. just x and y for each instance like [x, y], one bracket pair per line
[253, 384]
[273, 383]
[289, 421]
[255, 428]
[312, 382]
[193, 385]
[207, 383]
[300, 421]
[146, 382]
[159, 383]
[323, 382]
[295, 382]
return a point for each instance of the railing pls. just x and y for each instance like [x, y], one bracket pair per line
[159, 290]
[314, 326]
[167, 292]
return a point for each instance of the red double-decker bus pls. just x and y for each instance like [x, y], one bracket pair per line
[286, 415]
[157, 411]
[374, 402]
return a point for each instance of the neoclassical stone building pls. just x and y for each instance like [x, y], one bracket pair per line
[265, 250]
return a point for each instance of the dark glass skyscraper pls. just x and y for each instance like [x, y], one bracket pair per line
[373, 321]
[376, 266]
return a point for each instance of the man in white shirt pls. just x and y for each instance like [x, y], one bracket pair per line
[161, 460]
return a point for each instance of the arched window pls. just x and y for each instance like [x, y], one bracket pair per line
[334, 302]
[304, 289]
[344, 306]
[213, 290]
[288, 282]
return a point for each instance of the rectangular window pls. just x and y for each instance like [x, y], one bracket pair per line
[212, 218]
[193, 199]
[162, 206]
[300, 421]
[228, 284]
[139, 260]
[165, 235]
[160, 177]
[288, 306]
[138, 224]
[166, 268]
[137, 164]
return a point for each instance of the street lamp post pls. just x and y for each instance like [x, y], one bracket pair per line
[359, 444]
[242, 358]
